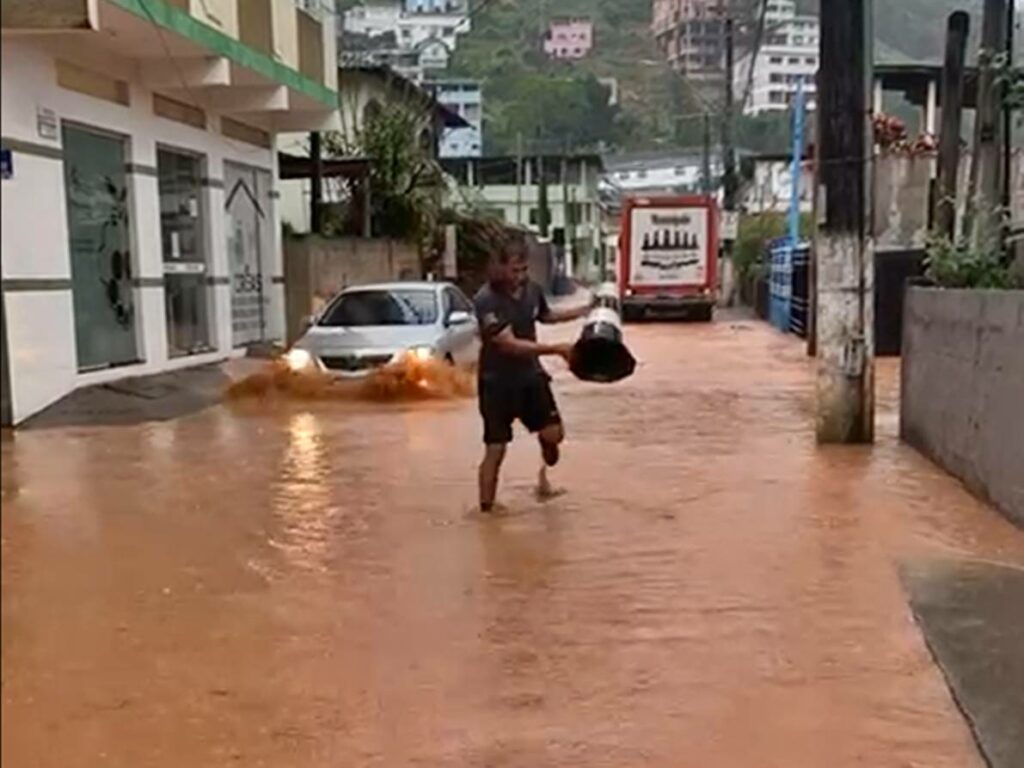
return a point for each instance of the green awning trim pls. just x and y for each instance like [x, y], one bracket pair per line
[182, 23]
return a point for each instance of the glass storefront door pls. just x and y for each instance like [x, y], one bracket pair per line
[182, 230]
[247, 214]
[101, 263]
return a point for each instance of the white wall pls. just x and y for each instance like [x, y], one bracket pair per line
[771, 188]
[667, 176]
[286, 33]
[34, 237]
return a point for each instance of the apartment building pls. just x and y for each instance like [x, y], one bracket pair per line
[691, 36]
[414, 37]
[786, 62]
[465, 99]
[140, 218]
[436, 6]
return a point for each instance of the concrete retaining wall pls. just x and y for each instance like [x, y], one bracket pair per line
[317, 268]
[962, 393]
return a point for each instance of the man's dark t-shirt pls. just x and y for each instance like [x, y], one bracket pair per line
[496, 311]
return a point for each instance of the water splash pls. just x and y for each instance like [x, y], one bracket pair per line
[408, 380]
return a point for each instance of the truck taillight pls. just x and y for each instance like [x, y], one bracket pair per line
[629, 291]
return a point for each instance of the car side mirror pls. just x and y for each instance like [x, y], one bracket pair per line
[459, 317]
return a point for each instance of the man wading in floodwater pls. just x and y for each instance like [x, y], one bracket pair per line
[512, 383]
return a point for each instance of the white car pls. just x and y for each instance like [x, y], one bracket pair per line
[369, 326]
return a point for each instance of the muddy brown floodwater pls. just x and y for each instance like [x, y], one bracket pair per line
[278, 583]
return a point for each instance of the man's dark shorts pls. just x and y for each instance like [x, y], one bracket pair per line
[501, 403]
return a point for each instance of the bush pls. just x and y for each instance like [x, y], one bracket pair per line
[756, 232]
[956, 265]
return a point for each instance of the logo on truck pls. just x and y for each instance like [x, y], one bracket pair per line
[669, 247]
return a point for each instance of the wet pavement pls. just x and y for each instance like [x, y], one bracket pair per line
[305, 584]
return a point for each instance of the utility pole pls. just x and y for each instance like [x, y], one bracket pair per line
[1011, 22]
[729, 181]
[706, 185]
[519, 179]
[543, 212]
[957, 30]
[844, 239]
[796, 169]
[567, 248]
[316, 217]
[986, 168]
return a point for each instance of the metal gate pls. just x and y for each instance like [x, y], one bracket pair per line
[789, 286]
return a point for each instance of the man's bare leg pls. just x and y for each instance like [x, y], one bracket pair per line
[490, 468]
[550, 439]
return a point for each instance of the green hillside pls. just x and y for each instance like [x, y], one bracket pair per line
[555, 105]
[552, 103]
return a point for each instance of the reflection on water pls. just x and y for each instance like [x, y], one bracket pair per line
[302, 498]
[297, 582]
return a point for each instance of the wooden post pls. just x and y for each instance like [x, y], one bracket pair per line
[844, 241]
[367, 206]
[957, 30]
[986, 168]
[316, 184]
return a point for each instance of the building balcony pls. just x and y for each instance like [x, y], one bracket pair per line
[267, 63]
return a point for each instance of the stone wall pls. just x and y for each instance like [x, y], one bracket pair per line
[962, 392]
[316, 268]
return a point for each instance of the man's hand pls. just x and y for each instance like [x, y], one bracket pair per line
[565, 351]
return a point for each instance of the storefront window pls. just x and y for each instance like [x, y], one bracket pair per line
[182, 231]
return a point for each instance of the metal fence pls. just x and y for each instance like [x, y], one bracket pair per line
[788, 285]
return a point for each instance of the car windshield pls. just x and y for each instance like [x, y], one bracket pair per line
[396, 307]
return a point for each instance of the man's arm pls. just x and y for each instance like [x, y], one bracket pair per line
[565, 315]
[509, 344]
[550, 316]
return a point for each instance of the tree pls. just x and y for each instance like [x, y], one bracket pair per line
[405, 181]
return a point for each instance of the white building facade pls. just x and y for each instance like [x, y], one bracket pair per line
[140, 225]
[786, 62]
[673, 173]
[770, 189]
[464, 98]
[415, 37]
[489, 186]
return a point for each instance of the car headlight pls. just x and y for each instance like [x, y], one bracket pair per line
[298, 360]
[421, 354]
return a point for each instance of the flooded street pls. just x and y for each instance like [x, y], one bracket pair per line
[273, 583]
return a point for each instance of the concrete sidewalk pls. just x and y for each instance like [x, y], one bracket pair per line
[160, 397]
[972, 615]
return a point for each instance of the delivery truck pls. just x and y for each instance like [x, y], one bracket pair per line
[668, 256]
